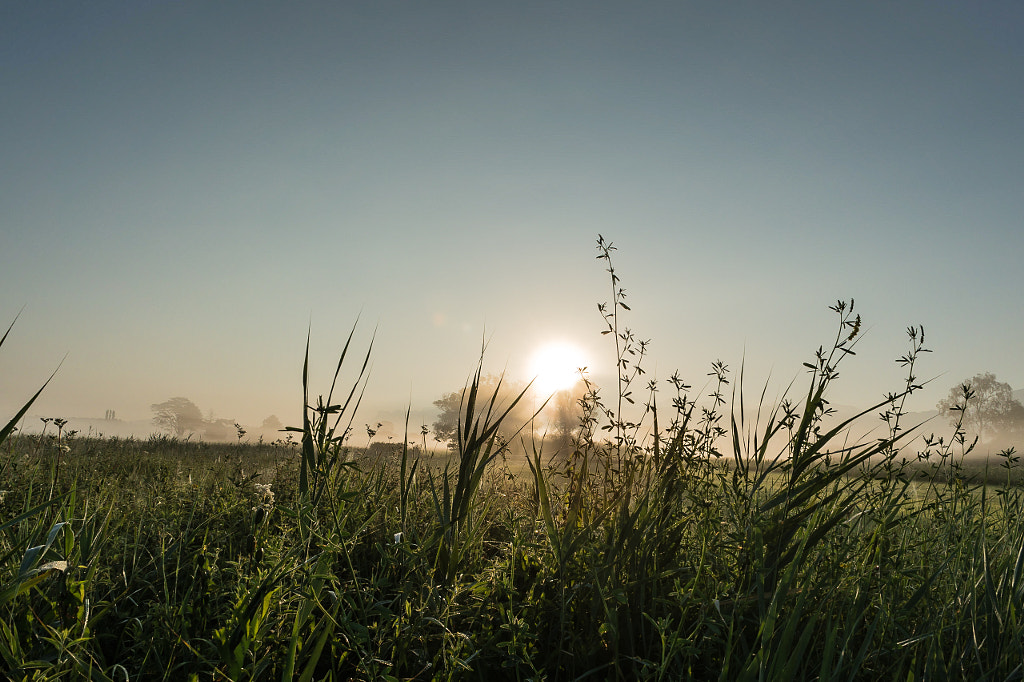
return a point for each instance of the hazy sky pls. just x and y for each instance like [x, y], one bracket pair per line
[188, 186]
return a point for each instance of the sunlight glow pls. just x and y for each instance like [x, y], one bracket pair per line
[556, 367]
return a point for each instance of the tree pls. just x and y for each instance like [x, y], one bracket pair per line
[562, 415]
[272, 423]
[988, 405]
[178, 416]
[450, 408]
[447, 422]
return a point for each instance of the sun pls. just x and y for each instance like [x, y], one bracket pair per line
[556, 367]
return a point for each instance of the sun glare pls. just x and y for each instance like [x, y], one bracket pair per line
[555, 367]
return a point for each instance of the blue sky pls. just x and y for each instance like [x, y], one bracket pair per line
[186, 187]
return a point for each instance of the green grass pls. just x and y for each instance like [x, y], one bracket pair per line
[687, 537]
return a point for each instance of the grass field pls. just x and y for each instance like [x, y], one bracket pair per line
[711, 539]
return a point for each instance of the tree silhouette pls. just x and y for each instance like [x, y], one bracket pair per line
[562, 414]
[450, 408]
[988, 405]
[178, 416]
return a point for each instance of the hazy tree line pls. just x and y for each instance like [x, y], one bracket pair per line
[989, 409]
[182, 418]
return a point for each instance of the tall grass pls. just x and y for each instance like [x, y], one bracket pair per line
[690, 537]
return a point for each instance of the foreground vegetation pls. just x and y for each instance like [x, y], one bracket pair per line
[716, 539]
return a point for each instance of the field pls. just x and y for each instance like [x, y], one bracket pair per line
[709, 539]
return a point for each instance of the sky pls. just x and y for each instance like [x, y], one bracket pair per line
[189, 188]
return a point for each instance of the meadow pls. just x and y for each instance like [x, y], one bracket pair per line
[677, 537]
